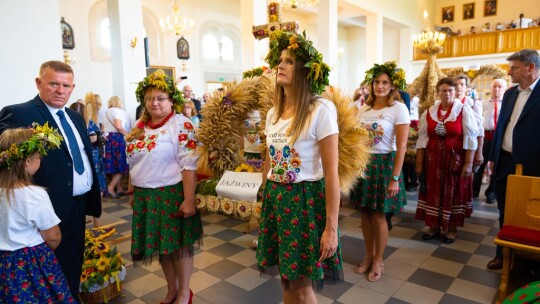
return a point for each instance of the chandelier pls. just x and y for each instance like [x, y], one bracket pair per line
[428, 41]
[176, 24]
[296, 3]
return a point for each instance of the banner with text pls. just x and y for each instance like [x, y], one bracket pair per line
[242, 186]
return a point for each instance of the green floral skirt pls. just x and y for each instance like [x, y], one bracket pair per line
[293, 219]
[155, 229]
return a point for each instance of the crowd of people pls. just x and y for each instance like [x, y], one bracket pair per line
[53, 174]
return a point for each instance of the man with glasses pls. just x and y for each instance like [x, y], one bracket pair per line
[67, 173]
[515, 140]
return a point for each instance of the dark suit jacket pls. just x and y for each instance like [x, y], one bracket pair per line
[56, 170]
[525, 142]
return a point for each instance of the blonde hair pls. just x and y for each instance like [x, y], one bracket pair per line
[302, 101]
[92, 102]
[192, 105]
[114, 102]
[16, 176]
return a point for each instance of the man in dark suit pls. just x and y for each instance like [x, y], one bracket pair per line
[514, 139]
[66, 173]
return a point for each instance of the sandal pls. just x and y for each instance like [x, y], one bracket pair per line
[366, 264]
[450, 237]
[377, 269]
[431, 233]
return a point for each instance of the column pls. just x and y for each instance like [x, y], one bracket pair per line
[327, 35]
[128, 65]
[374, 41]
[252, 12]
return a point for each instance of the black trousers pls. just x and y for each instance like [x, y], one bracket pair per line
[71, 249]
[505, 167]
[477, 179]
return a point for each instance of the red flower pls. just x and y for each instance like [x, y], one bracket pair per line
[318, 264]
[151, 146]
[191, 144]
[279, 197]
[294, 244]
[286, 255]
[264, 263]
[188, 125]
[152, 137]
[140, 124]
[305, 235]
[294, 266]
[130, 148]
[303, 256]
[287, 210]
[287, 232]
[20, 263]
[279, 219]
[265, 231]
[140, 144]
[289, 188]
[311, 226]
[182, 137]
[25, 285]
[274, 186]
[295, 222]
[270, 250]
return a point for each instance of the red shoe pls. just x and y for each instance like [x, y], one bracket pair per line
[171, 302]
[190, 296]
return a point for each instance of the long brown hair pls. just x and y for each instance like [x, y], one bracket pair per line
[92, 102]
[81, 109]
[16, 176]
[301, 101]
[392, 96]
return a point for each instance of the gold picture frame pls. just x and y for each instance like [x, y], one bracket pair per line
[468, 11]
[490, 8]
[169, 71]
[448, 13]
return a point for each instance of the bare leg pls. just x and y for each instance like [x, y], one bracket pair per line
[380, 241]
[368, 232]
[167, 264]
[299, 291]
[114, 181]
[184, 268]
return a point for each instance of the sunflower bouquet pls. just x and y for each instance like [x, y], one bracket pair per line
[102, 264]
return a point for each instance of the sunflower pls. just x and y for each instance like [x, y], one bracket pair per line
[244, 168]
[102, 264]
[227, 206]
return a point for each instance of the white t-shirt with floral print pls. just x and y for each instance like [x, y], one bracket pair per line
[380, 125]
[301, 161]
[158, 158]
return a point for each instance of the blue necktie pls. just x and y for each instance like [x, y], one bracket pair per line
[72, 141]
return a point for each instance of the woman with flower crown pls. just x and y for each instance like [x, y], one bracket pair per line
[444, 157]
[299, 219]
[29, 232]
[162, 169]
[382, 189]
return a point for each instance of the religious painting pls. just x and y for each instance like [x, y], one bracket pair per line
[448, 13]
[468, 11]
[490, 8]
[169, 71]
[68, 39]
[182, 48]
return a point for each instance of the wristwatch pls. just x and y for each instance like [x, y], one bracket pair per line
[395, 178]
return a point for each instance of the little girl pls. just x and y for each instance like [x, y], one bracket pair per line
[190, 112]
[29, 271]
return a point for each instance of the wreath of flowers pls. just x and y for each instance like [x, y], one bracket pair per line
[243, 209]
[227, 205]
[43, 139]
[160, 81]
[397, 75]
[302, 49]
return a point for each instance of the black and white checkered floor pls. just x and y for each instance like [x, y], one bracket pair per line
[416, 271]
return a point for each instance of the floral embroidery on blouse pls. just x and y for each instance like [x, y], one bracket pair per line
[285, 164]
[375, 132]
[144, 142]
[187, 136]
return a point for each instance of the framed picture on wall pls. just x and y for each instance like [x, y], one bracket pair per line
[448, 13]
[169, 71]
[182, 48]
[490, 8]
[468, 11]
[68, 39]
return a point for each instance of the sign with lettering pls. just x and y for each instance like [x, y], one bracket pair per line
[242, 186]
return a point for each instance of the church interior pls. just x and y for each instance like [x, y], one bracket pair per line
[112, 44]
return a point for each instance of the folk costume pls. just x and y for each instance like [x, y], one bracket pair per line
[447, 198]
[156, 161]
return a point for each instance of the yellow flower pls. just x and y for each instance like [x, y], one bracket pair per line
[102, 264]
[244, 168]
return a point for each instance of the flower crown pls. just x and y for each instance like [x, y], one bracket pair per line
[300, 48]
[160, 81]
[258, 71]
[43, 139]
[397, 75]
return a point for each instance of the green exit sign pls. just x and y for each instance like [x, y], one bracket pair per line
[221, 79]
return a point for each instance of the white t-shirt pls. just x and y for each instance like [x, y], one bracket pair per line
[413, 113]
[159, 157]
[302, 160]
[29, 211]
[381, 125]
[111, 115]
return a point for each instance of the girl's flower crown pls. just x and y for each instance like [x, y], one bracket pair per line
[302, 49]
[397, 75]
[43, 139]
[160, 81]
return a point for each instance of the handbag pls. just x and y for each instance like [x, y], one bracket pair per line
[101, 140]
[457, 162]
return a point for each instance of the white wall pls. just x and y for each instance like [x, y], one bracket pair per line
[27, 42]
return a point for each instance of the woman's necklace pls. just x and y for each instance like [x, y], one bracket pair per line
[160, 124]
[440, 129]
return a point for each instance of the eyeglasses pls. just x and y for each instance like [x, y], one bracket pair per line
[55, 85]
[159, 99]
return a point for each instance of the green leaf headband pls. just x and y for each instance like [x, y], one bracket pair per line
[161, 81]
[43, 139]
[302, 49]
[397, 75]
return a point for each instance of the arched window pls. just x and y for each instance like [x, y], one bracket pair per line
[211, 49]
[226, 48]
[105, 33]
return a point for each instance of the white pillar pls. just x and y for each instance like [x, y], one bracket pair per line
[374, 41]
[252, 12]
[128, 65]
[327, 35]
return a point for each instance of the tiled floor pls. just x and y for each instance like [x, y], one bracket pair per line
[416, 271]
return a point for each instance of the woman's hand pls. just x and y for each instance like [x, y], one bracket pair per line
[467, 170]
[329, 243]
[131, 200]
[187, 209]
[393, 188]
